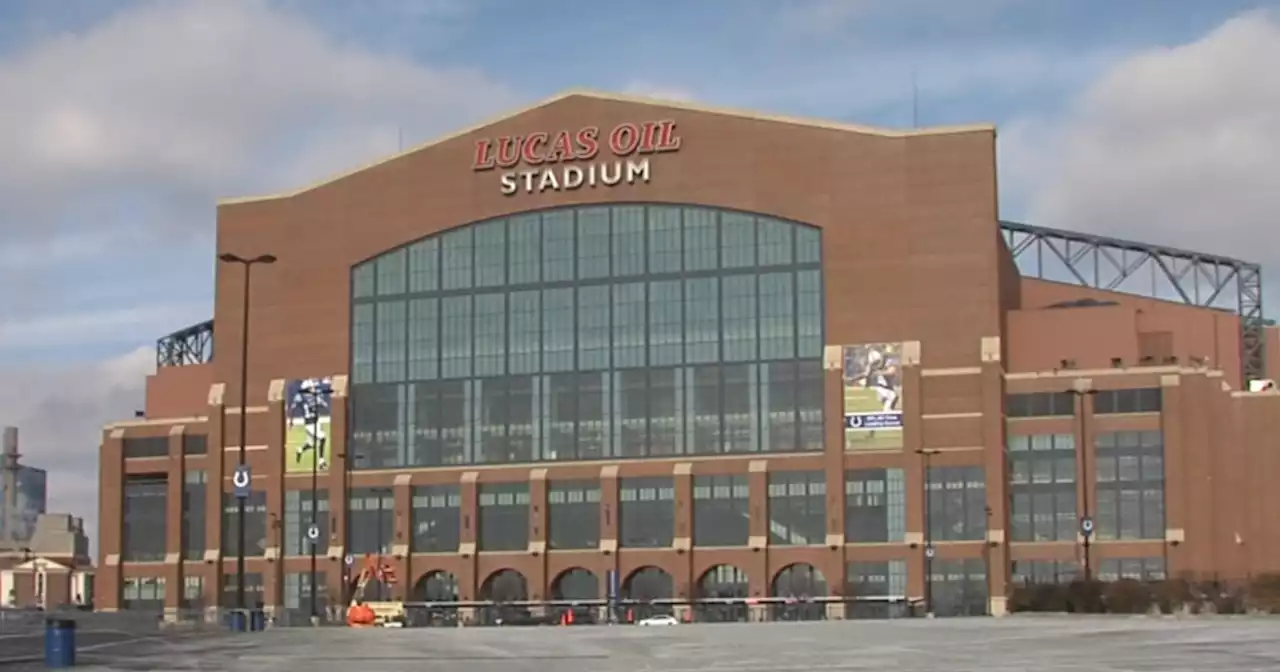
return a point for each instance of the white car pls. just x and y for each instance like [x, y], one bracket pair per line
[659, 620]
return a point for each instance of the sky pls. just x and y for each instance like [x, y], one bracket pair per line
[122, 123]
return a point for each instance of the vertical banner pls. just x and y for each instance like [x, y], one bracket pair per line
[873, 396]
[307, 418]
[611, 579]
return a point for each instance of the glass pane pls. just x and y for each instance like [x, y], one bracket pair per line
[588, 355]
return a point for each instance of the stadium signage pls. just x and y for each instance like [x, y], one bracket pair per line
[569, 160]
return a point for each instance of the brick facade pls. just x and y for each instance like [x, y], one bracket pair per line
[912, 253]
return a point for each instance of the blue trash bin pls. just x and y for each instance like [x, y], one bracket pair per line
[236, 621]
[257, 620]
[59, 643]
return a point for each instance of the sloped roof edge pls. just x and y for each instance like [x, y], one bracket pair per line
[636, 100]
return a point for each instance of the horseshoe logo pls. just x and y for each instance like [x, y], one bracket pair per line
[240, 479]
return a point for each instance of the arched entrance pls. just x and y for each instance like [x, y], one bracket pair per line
[722, 594]
[575, 584]
[577, 594]
[437, 586]
[435, 592]
[798, 585]
[505, 588]
[646, 592]
[505, 585]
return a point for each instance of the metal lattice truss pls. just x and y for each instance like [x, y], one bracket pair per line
[193, 345]
[1111, 264]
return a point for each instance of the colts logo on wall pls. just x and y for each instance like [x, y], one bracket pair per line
[306, 424]
[872, 396]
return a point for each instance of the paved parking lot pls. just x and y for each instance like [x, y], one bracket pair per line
[1019, 644]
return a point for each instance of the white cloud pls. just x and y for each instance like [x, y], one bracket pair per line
[195, 99]
[49, 330]
[116, 141]
[60, 412]
[1176, 146]
[827, 17]
[647, 89]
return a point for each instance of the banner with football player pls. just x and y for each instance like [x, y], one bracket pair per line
[873, 396]
[306, 424]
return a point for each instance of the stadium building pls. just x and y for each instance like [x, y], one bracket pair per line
[607, 348]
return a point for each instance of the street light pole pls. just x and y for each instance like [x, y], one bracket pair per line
[928, 454]
[315, 458]
[348, 466]
[248, 264]
[314, 397]
[1086, 519]
[986, 556]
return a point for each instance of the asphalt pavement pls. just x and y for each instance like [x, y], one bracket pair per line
[100, 637]
[1015, 644]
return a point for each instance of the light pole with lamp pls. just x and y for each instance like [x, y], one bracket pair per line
[929, 551]
[241, 465]
[1086, 519]
[986, 555]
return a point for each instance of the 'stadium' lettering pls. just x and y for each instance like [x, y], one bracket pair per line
[571, 177]
[564, 160]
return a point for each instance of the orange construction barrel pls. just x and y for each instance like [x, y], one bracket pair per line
[360, 616]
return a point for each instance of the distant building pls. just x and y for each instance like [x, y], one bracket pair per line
[24, 492]
[51, 569]
[44, 558]
[31, 501]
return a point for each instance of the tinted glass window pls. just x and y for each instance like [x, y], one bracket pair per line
[1026, 572]
[437, 510]
[875, 506]
[143, 593]
[526, 338]
[504, 516]
[959, 587]
[646, 512]
[1137, 569]
[148, 446]
[879, 589]
[573, 514]
[145, 512]
[255, 524]
[371, 521]
[797, 508]
[1129, 492]
[298, 521]
[253, 590]
[297, 593]
[721, 510]
[1139, 400]
[195, 444]
[957, 503]
[195, 488]
[1042, 487]
[1040, 404]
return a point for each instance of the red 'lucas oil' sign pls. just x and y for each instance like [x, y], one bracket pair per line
[567, 160]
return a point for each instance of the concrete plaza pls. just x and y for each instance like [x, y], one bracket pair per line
[1016, 644]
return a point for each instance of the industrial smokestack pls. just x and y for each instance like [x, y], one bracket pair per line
[10, 441]
[9, 480]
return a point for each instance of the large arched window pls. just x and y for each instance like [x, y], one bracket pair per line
[589, 333]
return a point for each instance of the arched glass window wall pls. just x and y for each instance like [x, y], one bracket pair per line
[589, 333]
